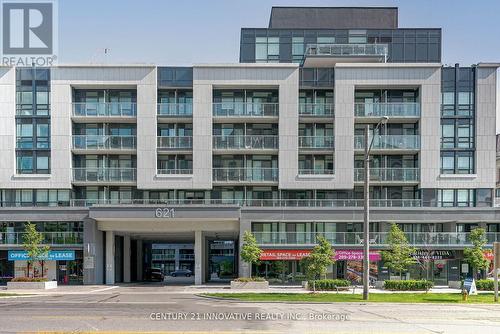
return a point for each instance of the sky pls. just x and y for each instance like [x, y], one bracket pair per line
[174, 32]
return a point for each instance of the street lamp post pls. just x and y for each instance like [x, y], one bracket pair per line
[366, 215]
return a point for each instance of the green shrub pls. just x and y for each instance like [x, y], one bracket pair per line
[485, 284]
[408, 285]
[250, 279]
[328, 284]
[29, 279]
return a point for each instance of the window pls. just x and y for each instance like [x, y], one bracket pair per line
[267, 49]
[448, 98]
[357, 36]
[456, 197]
[297, 49]
[457, 162]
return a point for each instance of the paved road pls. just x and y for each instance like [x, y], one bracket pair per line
[135, 308]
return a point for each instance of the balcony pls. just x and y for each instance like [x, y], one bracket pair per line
[389, 174]
[377, 239]
[104, 109]
[84, 142]
[49, 238]
[175, 109]
[263, 175]
[316, 109]
[185, 171]
[327, 55]
[389, 142]
[175, 142]
[90, 174]
[316, 142]
[242, 109]
[249, 142]
[391, 109]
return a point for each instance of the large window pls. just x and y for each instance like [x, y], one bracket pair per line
[32, 121]
[267, 49]
[457, 162]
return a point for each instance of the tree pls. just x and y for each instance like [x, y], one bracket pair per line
[399, 255]
[32, 240]
[474, 255]
[250, 251]
[316, 263]
[279, 267]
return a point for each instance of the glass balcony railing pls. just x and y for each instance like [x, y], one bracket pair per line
[389, 174]
[49, 238]
[104, 109]
[316, 109]
[245, 174]
[390, 142]
[249, 142]
[90, 142]
[242, 109]
[185, 171]
[420, 239]
[315, 171]
[175, 109]
[175, 142]
[90, 174]
[391, 109]
[348, 50]
[319, 142]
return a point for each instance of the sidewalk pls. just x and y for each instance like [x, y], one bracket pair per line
[139, 288]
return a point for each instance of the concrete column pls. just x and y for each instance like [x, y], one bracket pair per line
[93, 252]
[139, 260]
[126, 259]
[177, 258]
[198, 258]
[110, 257]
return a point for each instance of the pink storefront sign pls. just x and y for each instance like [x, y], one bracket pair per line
[355, 255]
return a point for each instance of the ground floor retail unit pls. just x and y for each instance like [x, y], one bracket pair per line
[113, 244]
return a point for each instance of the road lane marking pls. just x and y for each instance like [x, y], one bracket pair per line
[104, 289]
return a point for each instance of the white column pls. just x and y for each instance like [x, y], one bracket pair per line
[177, 258]
[126, 259]
[198, 257]
[110, 257]
[139, 260]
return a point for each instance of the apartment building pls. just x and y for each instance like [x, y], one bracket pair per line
[125, 168]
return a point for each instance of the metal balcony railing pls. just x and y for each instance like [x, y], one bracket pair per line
[389, 174]
[420, 239]
[390, 142]
[248, 142]
[326, 203]
[104, 109]
[175, 109]
[245, 174]
[348, 50]
[245, 109]
[175, 142]
[49, 238]
[90, 174]
[391, 109]
[185, 171]
[316, 109]
[320, 142]
[90, 142]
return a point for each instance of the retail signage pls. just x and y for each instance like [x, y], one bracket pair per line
[53, 255]
[470, 286]
[424, 254]
[297, 254]
[488, 254]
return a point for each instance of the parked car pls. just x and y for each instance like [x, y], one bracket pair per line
[181, 272]
[154, 275]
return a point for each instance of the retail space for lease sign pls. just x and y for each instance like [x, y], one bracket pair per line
[298, 254]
